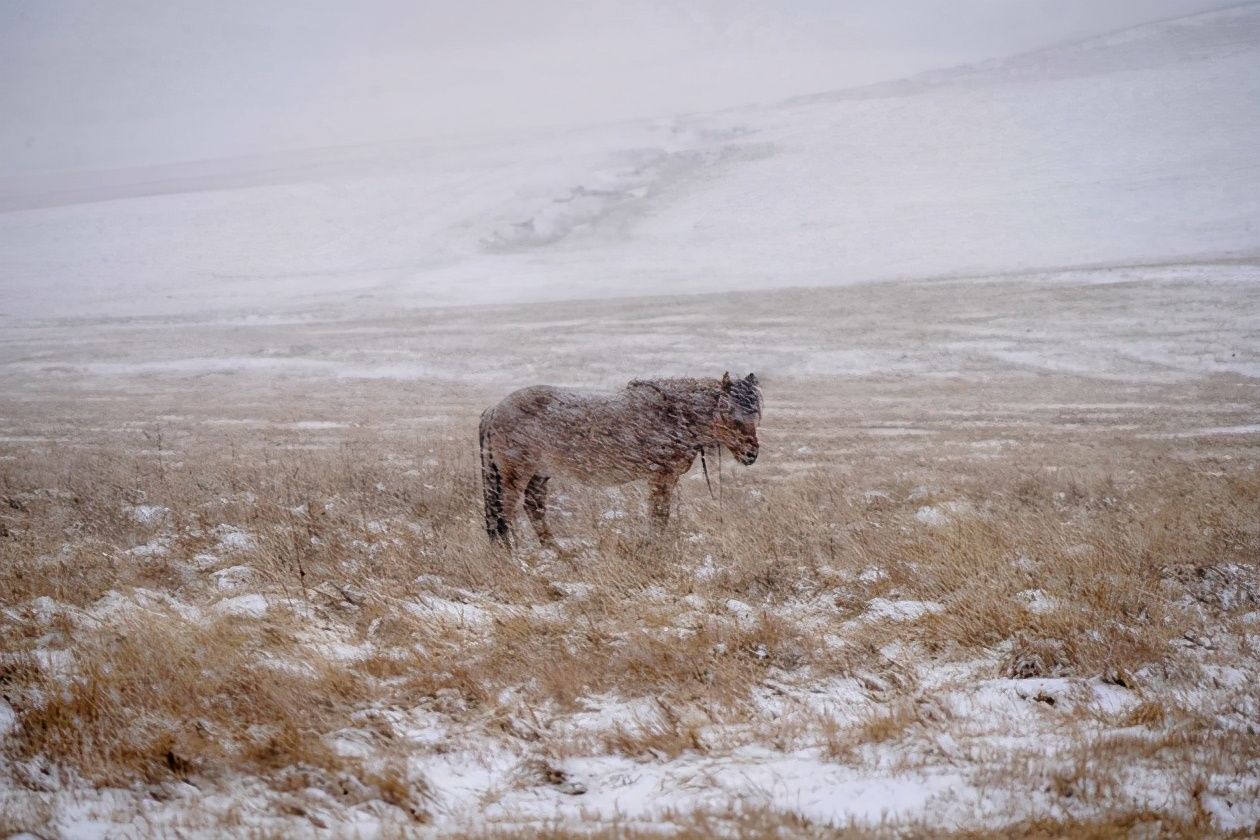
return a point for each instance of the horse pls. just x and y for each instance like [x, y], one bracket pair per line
[650, 430]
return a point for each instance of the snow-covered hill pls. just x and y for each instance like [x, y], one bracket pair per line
[1132, 148]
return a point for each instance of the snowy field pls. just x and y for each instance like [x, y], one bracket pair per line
[1128, 149]
[995, 572]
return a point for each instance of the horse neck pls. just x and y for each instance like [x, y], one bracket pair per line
[695, 404]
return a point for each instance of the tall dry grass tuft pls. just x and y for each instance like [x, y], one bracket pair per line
[157, 696]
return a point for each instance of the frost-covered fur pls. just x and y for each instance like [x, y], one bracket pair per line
[650, 430]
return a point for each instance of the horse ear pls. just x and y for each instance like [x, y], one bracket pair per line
[726, 381]
[751, 379]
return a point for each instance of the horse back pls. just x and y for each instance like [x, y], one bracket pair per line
[596, 438]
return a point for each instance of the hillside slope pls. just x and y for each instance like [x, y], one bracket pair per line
[1133, 148]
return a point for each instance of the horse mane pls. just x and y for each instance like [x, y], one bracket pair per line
[679, 386]
[681, 390]
[743, 392]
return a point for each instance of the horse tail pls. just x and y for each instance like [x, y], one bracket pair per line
[491, 483]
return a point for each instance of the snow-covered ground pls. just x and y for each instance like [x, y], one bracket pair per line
[1134, 148]
[1134, 327]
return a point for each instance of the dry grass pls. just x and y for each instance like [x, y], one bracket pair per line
[159, 697]
[745, 821]
[1133, 569]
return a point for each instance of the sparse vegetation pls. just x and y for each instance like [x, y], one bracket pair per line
[322, 631]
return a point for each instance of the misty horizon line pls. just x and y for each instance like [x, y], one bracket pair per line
[316, 154]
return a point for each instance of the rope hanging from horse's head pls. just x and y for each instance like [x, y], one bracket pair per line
[705, 466]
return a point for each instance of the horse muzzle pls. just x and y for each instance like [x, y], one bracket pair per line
[747, 458]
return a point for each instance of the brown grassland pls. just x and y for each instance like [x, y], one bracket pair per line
[260, 614]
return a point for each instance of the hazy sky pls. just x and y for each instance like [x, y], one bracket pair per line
[91, 85]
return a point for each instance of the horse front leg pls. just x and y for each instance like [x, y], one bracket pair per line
[660, 499]
[536, 509]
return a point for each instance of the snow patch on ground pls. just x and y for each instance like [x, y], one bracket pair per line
[233, 540]
[932, 516]
[882, 608]
[233, 577]
[435, 608]
[1038, 602]
[252, 605]
[148, 514]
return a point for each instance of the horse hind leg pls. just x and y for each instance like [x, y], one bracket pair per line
[496, 521]
[536, 509]
[517, 483]
[492, 486]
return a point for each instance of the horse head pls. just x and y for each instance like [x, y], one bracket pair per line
[738, 413]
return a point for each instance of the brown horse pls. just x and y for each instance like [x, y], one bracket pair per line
[651, 429]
